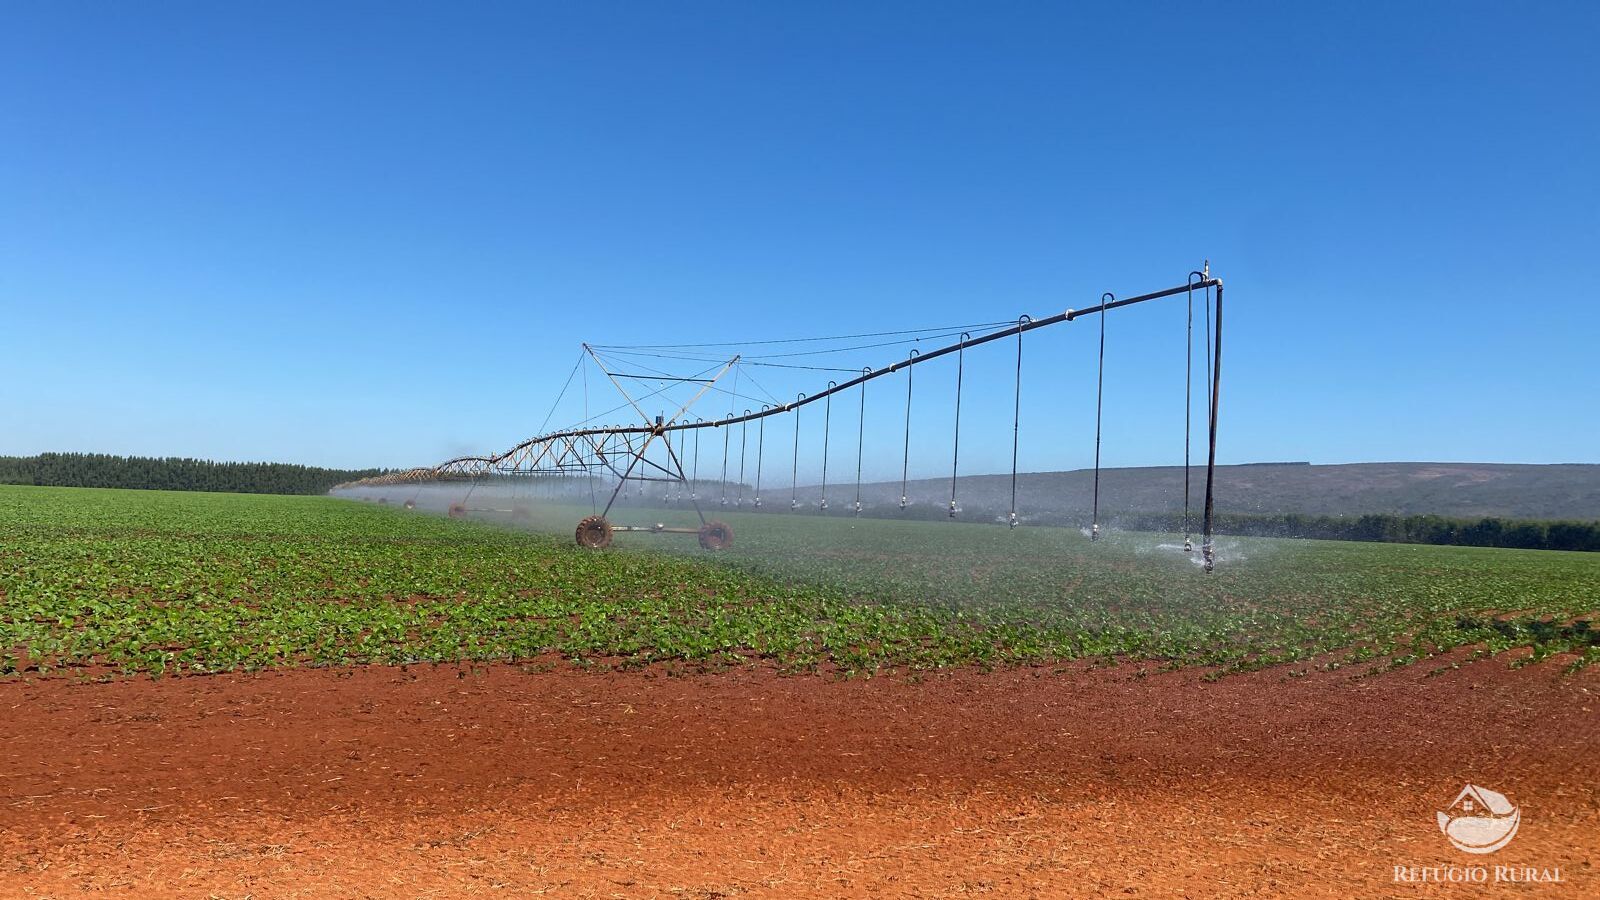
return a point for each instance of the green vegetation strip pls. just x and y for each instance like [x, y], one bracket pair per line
[138, 581]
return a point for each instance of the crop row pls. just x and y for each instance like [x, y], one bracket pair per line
[125, 581]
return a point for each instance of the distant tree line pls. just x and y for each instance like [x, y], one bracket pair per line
[171, 474]
[1526, 534]
[1486, 532]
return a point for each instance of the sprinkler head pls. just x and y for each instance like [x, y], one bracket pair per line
[794, 504]
[758, 503]
[858, 507]
[903, 501]
[953, 509]
[824, 504]
[1012, 520]
[1188, 546]
[1094, 532]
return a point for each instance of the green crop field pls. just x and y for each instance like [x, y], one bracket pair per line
[105, 581]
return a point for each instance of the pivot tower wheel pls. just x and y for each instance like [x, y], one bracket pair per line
[716, 535]
[594, 532]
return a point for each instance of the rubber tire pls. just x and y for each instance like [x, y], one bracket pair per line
[716, 535]
[594, 533]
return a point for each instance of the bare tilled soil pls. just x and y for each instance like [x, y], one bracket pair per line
[438, 781]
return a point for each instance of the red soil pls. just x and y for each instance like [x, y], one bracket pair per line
[438, 781]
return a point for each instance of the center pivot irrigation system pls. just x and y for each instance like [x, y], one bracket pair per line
[623, 452]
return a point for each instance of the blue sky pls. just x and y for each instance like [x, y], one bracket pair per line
[374, 234]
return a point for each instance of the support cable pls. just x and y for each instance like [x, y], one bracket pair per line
[1016, 425]
[668, 437]
[827, 424]
[1207, 550]
[722, 493]
[722, 499]
[683, 440]
[861, 433]
[827, 351]
[854, 347]
[747, 362]
[762, 388]
[1099, 402]
[744, 434]
[761, 451]
[587, 419]
[1188, 405]
[563, 393]
[594, 502]
[955, 453]
[794, 487]
[837, 337]
[694, 485]
[905, 460]
[670, 381]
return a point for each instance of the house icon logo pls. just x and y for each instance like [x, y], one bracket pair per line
[1480, 820]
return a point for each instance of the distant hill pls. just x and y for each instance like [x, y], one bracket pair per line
[1458, 490]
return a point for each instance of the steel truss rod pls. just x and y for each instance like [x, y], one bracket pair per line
[659, 378]
[470, 466]
[1013, 331]
[843, 386]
